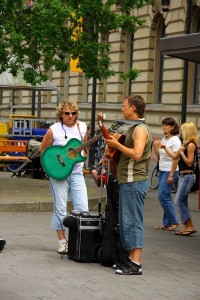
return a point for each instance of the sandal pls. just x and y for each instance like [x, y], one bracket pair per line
[172, 227]
[185, 233]
[161, 227]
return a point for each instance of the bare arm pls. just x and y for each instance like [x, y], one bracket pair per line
[47, 140]
[140, 138]
[156, 146]
[173, 169]
[189, 160]
[173, 155]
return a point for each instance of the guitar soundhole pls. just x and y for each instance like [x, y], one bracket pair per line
[72, 153]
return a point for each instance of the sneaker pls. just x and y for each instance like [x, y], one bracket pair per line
[2, 244]
[63, 249]
[114, 266]
[129, 269]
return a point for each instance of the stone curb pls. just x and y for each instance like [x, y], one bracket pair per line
[44, 206]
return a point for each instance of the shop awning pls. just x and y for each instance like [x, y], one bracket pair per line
[185, 46]
[9, 82]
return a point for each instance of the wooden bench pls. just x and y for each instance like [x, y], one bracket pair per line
[13, 146]
[9, 147]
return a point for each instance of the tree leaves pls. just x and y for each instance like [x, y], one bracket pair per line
[37, 38]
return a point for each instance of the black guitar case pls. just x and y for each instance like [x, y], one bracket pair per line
[111, 251]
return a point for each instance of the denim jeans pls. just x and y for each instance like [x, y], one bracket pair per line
[131, 204]
[165, 198]
[73, 185]
[184, 185]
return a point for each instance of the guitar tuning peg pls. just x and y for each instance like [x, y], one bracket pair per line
[104, 116]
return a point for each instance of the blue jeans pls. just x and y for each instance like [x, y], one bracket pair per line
[165, 198]
[184, 185]
[73, 185]
[131, 204]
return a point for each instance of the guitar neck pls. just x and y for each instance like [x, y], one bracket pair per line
[104, 133]
[90, 141]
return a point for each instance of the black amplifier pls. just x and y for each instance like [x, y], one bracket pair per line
[84, 239]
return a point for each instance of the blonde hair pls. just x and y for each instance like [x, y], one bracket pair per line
[189, 133]
[72, 106]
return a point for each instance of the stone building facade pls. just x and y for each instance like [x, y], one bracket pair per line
[160, 81]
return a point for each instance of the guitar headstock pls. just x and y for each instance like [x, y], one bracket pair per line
[115, 126]
[101, 117]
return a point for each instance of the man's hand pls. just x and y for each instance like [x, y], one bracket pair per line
[112, 142]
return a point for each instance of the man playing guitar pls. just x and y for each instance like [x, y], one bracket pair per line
[132, 176]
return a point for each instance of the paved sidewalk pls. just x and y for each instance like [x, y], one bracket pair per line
[31, 269]
[27, 194]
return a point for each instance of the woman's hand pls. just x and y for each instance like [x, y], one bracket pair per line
[163, 146]
[182, 149]
[170, 179]
[157, 143]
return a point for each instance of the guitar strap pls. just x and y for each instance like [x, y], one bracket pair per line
[81, 136]
[130, 122]
[79, 132]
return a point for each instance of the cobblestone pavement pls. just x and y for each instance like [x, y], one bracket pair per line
[31, 269]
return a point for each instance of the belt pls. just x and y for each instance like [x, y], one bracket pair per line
[186, 173]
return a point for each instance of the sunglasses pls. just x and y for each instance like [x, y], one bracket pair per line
[67, 113]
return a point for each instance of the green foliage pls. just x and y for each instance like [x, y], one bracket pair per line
[131, 75]
[44, 35]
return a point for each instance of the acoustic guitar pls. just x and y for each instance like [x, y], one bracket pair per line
[111, 153]
[58, 161]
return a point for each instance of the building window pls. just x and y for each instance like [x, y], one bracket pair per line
[161, 64]
[131, 61]
[196, 91]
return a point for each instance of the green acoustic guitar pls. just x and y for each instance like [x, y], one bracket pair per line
[58, 161]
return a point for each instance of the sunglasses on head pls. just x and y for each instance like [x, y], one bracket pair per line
[67, 113]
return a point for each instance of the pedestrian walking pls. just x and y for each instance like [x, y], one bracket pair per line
[186, 153]
[168, 173]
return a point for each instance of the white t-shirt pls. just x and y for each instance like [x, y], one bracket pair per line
[165, 161]
[63, 134]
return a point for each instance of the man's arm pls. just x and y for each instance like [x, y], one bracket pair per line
[139, 140]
